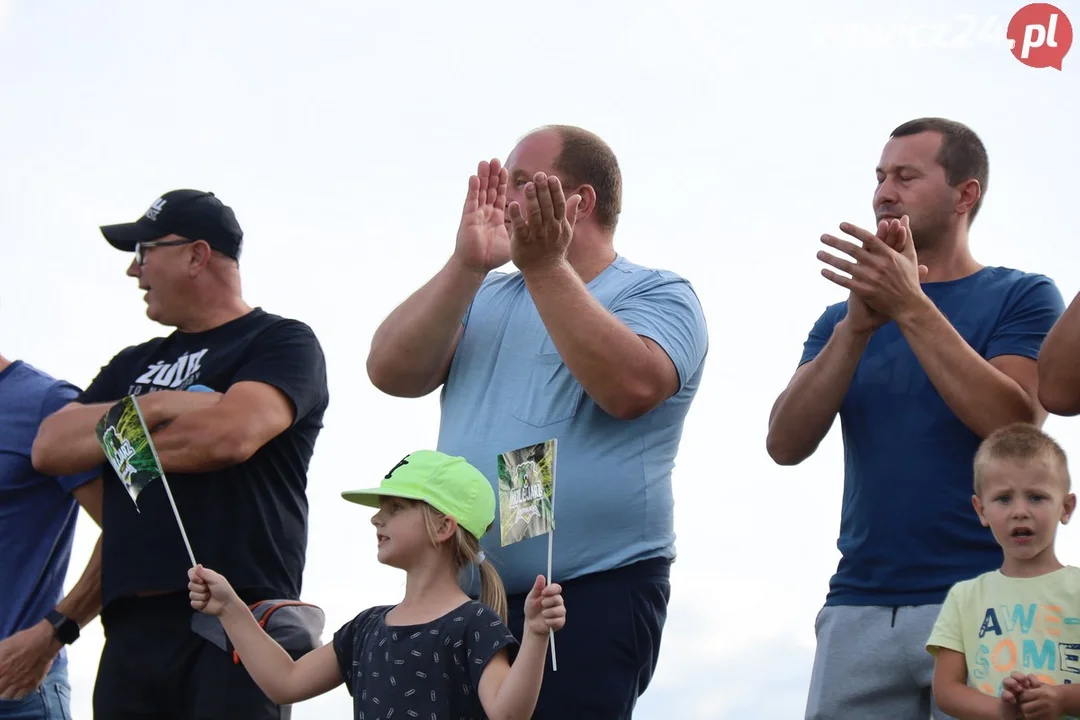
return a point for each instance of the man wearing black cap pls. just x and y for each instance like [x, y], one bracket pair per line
[236, 459]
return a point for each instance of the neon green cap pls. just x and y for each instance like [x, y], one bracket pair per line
[449, 484]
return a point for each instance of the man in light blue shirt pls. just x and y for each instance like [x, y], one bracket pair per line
[582, 345]
[37, 526]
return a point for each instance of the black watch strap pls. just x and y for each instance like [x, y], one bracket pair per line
[66, 629]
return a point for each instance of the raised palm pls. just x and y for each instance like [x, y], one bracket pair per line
[483, 240]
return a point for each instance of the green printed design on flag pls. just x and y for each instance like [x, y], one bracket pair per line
[526, 492]
[126, 442]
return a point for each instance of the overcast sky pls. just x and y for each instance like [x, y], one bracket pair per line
[343, 133]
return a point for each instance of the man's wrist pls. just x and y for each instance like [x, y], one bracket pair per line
[857, 337]
[64, 630]
[547, 269]
[465, 271]
[47, 634]
[916, 312]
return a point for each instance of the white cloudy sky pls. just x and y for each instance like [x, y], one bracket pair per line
[343, 132]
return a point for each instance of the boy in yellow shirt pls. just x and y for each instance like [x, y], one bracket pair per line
[1007, 643]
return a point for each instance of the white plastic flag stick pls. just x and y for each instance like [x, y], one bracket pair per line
[551, 542]
[551, 633]
[165, 482]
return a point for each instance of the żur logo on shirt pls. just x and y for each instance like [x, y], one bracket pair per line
[175, 375]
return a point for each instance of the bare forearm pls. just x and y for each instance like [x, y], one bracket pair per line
[185, 446]
[411, 348]
[804, 412]
[83, 603]
[610, 360]
[188, 439]
[1059, 364]
[66, 443]
[517, 696]
[966, 703]
[983, 397]
[267, 662]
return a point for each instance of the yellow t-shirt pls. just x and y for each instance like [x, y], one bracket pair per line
[1003, 624]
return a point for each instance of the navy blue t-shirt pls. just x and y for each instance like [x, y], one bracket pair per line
[248, 521]
[37, 512]
[908, 531]
[430, 671]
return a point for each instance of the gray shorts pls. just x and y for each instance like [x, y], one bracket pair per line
[871, 662]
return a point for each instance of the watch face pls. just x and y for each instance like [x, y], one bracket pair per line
[67, 630]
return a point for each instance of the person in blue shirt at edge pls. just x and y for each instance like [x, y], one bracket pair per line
[38, 515]
[1059, 364]
[930, 353]
[581, 345]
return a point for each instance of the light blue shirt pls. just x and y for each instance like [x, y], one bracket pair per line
[508, 388]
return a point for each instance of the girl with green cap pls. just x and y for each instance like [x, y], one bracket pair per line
[436, 655]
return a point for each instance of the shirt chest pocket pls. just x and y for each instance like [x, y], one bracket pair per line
[551, 393]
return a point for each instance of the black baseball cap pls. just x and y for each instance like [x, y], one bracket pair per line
[192, 214]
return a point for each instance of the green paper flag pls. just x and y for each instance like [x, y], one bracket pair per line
[123, 436]
[126, 441]
[527, 500]
[527, 492]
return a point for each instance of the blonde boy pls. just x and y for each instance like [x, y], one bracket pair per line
[1007, 643]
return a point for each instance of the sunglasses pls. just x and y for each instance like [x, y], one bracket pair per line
[141, 248]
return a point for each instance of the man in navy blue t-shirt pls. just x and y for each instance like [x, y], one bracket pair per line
[37, 526]
[930, 353]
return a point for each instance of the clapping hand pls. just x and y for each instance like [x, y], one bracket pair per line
[885, 275]
[544, 608]
[483, 240]
[543, 233]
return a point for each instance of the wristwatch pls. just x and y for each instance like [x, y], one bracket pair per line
[66, 629]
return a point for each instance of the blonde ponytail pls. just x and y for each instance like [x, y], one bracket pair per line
[492, 591]
[464, 551]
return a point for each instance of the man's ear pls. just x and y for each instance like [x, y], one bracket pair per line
[199, 257]
[968, 194]
[587, 205]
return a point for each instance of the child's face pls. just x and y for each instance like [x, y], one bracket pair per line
[401, 532]
[1022, 503]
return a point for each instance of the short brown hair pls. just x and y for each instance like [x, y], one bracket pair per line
[1020, 442]
[962, 153]
[585, 159]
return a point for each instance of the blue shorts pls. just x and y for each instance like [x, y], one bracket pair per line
[608, 649]
[51, 701]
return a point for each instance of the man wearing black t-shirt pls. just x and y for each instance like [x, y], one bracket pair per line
[236, 459]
